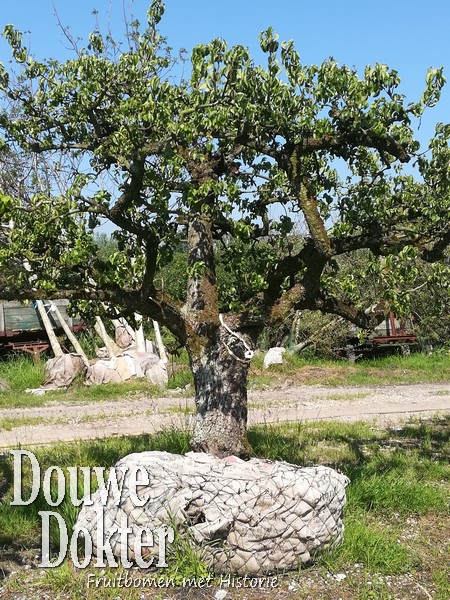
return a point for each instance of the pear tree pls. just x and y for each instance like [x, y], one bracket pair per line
[230, 159]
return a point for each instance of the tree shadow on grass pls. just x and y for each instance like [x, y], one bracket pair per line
[395, 469]
[436, 430]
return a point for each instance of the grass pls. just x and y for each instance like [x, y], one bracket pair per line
[415, 368]
[367, 542]
[396, 476]
[9, 423]
[21, 373]
[349, 396]
[181, 410]
[181, 378]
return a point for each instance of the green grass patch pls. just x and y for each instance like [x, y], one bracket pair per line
[369, 543]
[415, 368]
[21, 372]
[78, 392]
[347, 397]
[9, 423]
[395, 474]
[181, 378]
[399, 483]
[63, 580]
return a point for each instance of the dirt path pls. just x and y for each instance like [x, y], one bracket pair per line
[61, 421]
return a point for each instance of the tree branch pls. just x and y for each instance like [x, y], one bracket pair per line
[337, 306]
[436, 252]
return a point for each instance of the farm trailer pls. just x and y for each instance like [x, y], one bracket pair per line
[21, 327]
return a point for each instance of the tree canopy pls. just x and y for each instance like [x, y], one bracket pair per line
[226, 161]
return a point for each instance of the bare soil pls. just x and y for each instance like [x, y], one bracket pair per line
[64, 421]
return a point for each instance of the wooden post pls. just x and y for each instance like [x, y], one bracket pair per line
[2, 318]
[56, 347]
[73, 340]
[140, 338]
[159, 342]
[112, 348]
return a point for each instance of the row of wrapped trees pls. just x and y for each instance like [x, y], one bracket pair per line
[229, 159]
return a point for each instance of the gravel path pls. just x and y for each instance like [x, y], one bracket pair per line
[61, 421]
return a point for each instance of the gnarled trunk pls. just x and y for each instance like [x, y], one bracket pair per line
[216, 355]
[220, 378]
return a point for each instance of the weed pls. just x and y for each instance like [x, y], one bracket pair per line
[367, 543]
[180, 379]
[347, 397]
[183, 410]
[62, 579]
[185, 559]
[9, 423]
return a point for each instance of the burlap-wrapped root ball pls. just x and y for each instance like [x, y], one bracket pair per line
[250, 517]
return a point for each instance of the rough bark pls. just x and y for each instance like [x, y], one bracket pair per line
[217, 356]
[220, 378]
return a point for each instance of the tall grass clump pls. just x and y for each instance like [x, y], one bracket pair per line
[21, 372]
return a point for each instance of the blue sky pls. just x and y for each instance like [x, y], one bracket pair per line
[410, 36]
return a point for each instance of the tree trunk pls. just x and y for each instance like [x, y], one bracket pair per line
[110, 345]
[220, 378]
[75, 343]
[159, 342]
[216, 355]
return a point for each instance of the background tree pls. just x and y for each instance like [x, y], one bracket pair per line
[228, 159]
